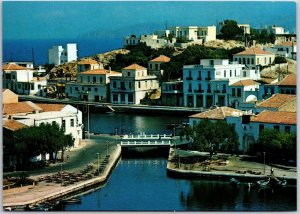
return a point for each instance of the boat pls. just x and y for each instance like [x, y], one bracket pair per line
[234, 181]
[263, 183]
[70, 201]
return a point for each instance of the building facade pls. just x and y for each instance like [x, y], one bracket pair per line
[92, 85]
[207, 83]
[172, 93]
[58, 55]
[132, 86]
[194, 33]
[154, 65]
[88, 64]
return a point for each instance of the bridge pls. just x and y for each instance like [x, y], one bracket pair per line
[156, 140]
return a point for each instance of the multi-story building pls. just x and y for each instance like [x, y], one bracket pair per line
[58, 55]
[278, 102]
[22, 80]
[252, 57]
[286, 86]
[194, 33]
[132, 86]
[92, 85]
[207, 83]
[172, 93]
[154, 65]
[244, 27]
[286, 49]
[273, 29]
[88, 64]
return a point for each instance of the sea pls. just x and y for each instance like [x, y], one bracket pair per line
[37, 49]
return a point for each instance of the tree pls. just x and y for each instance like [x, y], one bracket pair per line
[279, 60]
[231, 30]
[214, 136]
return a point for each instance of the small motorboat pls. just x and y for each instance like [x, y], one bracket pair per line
[263, 183]
[70, 201]
[234, 181]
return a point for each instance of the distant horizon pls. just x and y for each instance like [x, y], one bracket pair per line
[100, 19]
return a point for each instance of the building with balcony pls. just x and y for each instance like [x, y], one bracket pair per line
[154, 65]
[172, 93]
[253, 57]
[22, 80]
[285, 49]
[194, 33]
[92, 85]
[58, 55]
[132, 86]
[207, 83]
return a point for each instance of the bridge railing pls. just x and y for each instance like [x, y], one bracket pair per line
[151, 136]
[162, 142]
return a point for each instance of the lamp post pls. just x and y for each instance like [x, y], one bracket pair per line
[61, 174]
[264, 163]
[98, 162]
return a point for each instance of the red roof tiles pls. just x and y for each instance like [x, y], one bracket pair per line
[134, 67]
[254, 51]
[219, 113]
[18, 108]
[13, 67]
[87, 62]
[244, 83]
[12, 125]
[289, 80]
[276, 117]
[50, 107]
[276, 101]
[161, 58]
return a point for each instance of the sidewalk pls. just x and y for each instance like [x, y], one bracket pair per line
[78, 160]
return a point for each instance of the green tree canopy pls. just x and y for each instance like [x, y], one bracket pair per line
[231, 30]
[214, 136]
[279, 60]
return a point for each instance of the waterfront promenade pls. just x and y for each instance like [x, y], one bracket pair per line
[78, 159]
[233, 167]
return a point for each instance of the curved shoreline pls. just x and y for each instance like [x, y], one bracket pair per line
[115, 156]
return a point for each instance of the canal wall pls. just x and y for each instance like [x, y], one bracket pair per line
[64, 191]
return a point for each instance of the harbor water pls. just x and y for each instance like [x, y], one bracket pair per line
[141, 183]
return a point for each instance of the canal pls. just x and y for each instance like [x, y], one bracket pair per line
[142, 184]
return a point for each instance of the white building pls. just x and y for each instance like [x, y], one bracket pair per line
[132, 86]
[286, 49]
[88, 64]
[194, 33]
[92, 85]
[153, 41]
[23, 64]
[207, 83]
[22, 80]
[58, 55]
[252, 57]
[154, 65]
[244, 27]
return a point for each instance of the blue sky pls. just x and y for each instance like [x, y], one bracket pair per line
[57, 20]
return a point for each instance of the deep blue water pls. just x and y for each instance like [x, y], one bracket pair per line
[21, 50]
[143, 185]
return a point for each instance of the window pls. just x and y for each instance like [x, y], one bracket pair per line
[101, 79]
[244, 61]
[94, 79]
[276, 127]
[248, 61]
[287, 128]
[63, 124]
[230, 73]
[244, 73]
[32, 86]
[96, 89]
[224, 73]
[199, 87]
[252, 61]
[114, 84]
[88, 79]
[233, 92]
[156, 66]
[235, 72]
[146, 85]
[239, 92]
[130, 98]
[208, 87]
[265, 60]
[115, 97]
[128, 74]
[261, 127]
[139, 84]
[240, 60]
[89, 89]
[150, 67]
[81, 79]
[190, 87]
[72, 122]
[71, 90]
[199, 75]
[270, 60]
[257, 61]
[82, 88]
[211, 62]
[76, 88]
[129, 84]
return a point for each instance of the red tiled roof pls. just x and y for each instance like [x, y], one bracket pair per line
[12, 125]
[161, 58]
[18, 108]
[217, 114]
[254, 51]
[99, 71]
[288, 43]
[50, 107]
[13, 67]
[277, 117]
[289, 80]
[134, 67]
[244, 83]
[87, 62]
[276, 101]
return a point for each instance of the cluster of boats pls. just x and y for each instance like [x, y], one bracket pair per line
[265, 183]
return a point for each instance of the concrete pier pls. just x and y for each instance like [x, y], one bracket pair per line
[55, 191]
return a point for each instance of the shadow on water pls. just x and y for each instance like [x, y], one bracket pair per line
[145, 153]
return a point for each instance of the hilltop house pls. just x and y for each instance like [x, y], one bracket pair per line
[286, 49]
[88, 64]
[92, 85]
[58, 55]
[132, 86]
[208, 83]
[22, 80]
[194, 33]
[154, 65]
[252, 57]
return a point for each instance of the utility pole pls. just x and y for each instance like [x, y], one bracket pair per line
[89, 121]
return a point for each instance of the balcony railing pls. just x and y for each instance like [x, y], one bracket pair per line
[199, 78]
[224, 91]
[189, 78]
[216, 91]
[207, 78]
[199, 91]
[209, 91]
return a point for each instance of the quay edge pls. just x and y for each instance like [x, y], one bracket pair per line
[74, 188]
